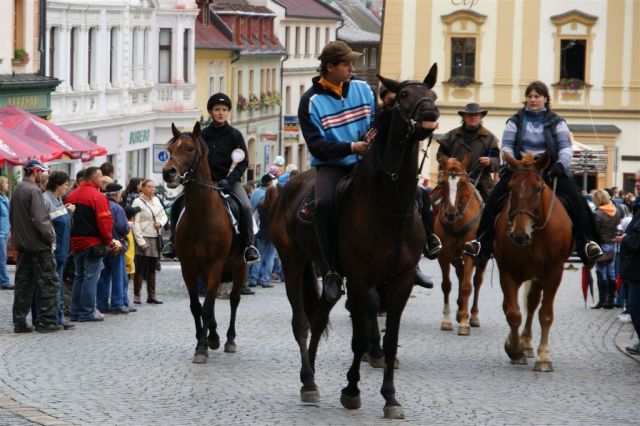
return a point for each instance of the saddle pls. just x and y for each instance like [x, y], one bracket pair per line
[306, 208]
[232, 206]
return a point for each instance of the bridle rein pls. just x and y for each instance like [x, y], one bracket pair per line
[188, 172]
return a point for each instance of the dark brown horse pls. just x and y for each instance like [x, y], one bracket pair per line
[203, 240]
[457, 222]
[381, 237]
[533, 240]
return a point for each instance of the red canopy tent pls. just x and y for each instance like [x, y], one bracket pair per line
[18, 150]
[29, 127]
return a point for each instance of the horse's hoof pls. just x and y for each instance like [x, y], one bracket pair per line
[230, 348]
[200, 359]
[464, 330]
[309, 395]
[214, 344]
[393, 412]
[350, 402]
[474, 322]
[519, 361]
[376, 362]
[528, 352]
[543, 366]
[446, 326]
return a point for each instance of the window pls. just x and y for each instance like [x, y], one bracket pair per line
[572, 58]
[317, 40]
[212, 85]
[263, 81]
[302, 90]
[72, 57]
[327, 35]
[463, 57]
[373, 58]
[18, 24]
[113, 51]
[273, 79]
[240, 82]
[53, 32]
[251, 91]
[365, 57]
[287, 39]
[135, 59]
[307, 40]
[164, 62]
[91, 56]
[185, 56]
[137, 163]
[287, 98]
[297, 40]
[145, 53]
[222, 83]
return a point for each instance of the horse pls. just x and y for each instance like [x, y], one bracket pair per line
[382, 240]
[457, 221]
[203, 240]
[533, 240]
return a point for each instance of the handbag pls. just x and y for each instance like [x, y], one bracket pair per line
[159, 239]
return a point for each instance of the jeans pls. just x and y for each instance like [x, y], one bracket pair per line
[634, 303]
[125, 283]
[4, 273]
[608, 271]
[85, 283]
[260, 273]
[110, 283]
[277, 267]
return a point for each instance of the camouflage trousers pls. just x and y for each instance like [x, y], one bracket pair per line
[36, 270]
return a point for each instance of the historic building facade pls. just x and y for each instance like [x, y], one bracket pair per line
[128, 73]
[489, 50]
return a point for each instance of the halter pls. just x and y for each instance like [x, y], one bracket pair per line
[460, 214]
[188, 173]
[410, 119]
[534, 216]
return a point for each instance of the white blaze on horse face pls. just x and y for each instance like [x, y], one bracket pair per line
[453, 189]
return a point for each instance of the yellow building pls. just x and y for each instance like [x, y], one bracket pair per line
[487, 51]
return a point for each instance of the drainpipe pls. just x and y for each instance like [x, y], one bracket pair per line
[41, 38]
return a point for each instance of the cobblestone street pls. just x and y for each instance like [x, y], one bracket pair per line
[136, 369]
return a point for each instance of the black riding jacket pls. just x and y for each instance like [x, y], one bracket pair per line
[221, 141]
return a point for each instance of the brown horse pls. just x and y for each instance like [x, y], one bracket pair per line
[204, 238]
[381, 238]
[533, 240]
[457, 222]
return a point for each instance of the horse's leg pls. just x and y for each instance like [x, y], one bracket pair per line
[350, 397]
[208, 308]
[513, 344]
[532, 294]
[397, 294]
[464, 291]
[294, 269]
[239, 276]
[446, 289]
[375, 356]
[478, 278]
[191, 282]
[543, 362]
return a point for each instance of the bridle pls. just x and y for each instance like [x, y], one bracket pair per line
[534, 216]
[188, 172]
[460, 214]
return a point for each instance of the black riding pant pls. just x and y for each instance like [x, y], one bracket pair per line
[424, 207]
[584, 227]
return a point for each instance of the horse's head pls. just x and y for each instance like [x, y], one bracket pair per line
[186, 150]
[526, 187]
[456, 191]
[416, 103]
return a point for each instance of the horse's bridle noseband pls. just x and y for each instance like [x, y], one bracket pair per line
[410, 119]
[188, 173]
[534, 216]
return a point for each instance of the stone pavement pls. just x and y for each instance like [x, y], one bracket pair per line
[136, 369]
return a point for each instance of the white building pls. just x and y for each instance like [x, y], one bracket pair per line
[128, 72]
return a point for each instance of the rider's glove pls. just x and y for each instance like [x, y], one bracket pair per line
[556, 170]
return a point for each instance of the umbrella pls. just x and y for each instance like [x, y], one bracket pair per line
[18, 150]
[587, 283]
[29, 125]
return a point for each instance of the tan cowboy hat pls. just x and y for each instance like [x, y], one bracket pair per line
[473, 108]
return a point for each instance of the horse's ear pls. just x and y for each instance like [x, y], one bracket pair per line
[510, 160]
[443, 161]
[465, 162]
[432, 77]
[543, 161]
[390, 84]
[196, 129]
[175, 130]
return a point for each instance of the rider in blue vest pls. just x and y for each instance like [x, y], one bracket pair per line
[535, 128]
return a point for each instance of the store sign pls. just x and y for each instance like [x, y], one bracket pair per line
[160, 157]
[26, 102]
[589, 162]
[291, 127]
[465, 3]
[139, 136]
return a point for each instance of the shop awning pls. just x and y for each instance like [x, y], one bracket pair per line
[18, 150]
[30, 127]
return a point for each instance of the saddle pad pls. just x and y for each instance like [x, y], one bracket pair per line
[305, 212]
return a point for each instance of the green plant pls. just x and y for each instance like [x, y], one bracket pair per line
[242, 104]
[572, 84]
[266, 99]
[461, 80]
[20, 53]
[276, 99]
[254, 102]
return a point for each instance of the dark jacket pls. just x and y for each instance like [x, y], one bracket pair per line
[606, 224]
[221, 141]
[630, 248]
[550, 122]
[31, 228]
[120, 223]
[92, 222]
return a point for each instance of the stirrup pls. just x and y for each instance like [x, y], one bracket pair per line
[472, 248]
[254, 259]
[592, 250]
[432, 250]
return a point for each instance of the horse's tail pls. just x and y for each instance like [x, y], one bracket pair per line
[316, 311]
[528, 285]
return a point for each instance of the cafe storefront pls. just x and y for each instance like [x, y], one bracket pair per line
[29, 92]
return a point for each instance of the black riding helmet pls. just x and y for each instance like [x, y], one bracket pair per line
[218, 98]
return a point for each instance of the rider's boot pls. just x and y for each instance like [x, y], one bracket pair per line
[332, 281]
[422, 279]
[251, 254]
[480, 247]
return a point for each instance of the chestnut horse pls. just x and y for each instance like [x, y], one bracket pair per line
[533, 240]
[457, 222]
[204, 238]
[380, 241]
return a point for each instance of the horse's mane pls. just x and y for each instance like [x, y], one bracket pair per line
[528, 159]
[382, 123]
